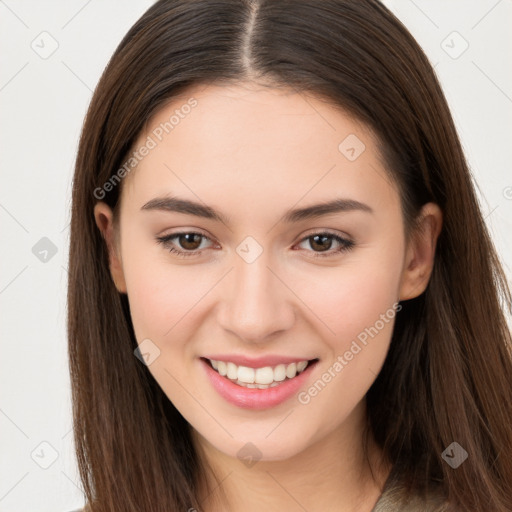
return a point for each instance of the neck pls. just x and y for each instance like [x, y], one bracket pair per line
[333, 474]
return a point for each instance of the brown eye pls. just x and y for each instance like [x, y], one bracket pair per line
[321, 242]
[190, 241]
[184, 244]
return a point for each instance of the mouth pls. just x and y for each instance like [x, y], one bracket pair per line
[258, 378]
[257, 387]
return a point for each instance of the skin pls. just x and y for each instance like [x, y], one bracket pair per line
[253, 153]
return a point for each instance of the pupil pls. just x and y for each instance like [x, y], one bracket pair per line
[323, 238]
[188, 239]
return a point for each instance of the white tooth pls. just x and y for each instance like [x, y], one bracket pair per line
[280, 372]
[252, 386]
[301, 366]
[262, 386]
[222, 368]
[215, 364]
[264, 375]
[232, 371]
[291, 370]
[274, 384]
[246, 374]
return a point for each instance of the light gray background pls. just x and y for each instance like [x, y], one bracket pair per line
[43, 100]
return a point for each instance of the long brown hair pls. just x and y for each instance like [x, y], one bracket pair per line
[447, 376]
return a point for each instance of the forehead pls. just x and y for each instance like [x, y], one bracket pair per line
[255, 141]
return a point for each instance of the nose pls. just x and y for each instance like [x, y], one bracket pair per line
[256, 302]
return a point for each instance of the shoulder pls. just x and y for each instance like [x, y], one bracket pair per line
[401, 502]
[395, 498]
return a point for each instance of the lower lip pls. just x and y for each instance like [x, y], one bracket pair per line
[254, 398]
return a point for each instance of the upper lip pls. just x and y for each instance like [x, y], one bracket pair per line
[256, 362]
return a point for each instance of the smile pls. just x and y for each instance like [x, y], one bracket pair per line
[261, 378]
[257, 384]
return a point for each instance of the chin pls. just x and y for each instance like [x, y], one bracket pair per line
[259, 448]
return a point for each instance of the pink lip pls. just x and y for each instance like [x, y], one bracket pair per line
[257, 399]
[257, 362]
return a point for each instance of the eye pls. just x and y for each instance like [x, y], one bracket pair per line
[322, 243]
[189, 241]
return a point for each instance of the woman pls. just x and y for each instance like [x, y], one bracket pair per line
[282, 291]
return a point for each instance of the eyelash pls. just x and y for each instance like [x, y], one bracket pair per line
[345, 244]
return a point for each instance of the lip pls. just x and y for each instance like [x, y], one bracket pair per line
[256, 362]
[256, 399]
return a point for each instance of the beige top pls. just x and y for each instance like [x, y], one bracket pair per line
[394, 499]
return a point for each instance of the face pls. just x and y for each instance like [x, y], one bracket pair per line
[230, 264]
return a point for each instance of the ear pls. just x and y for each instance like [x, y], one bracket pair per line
[419, 259]
[104, 218]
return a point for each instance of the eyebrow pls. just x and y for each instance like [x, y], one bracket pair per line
[175, 204]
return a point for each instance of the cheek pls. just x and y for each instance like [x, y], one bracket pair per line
[162, 293]
[359, 304]
[165, 304]
[160, 299]
[351, 297]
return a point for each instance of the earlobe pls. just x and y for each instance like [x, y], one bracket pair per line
[419, 260]
[104, 218]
